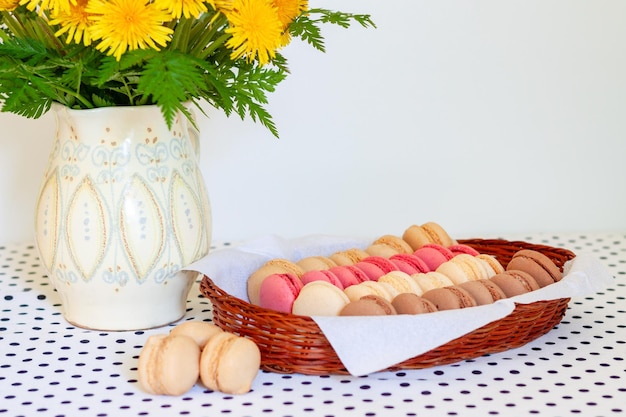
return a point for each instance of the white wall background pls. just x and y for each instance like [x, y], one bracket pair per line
[490, 117]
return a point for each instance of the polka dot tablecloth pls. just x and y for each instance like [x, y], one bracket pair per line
[50, 368]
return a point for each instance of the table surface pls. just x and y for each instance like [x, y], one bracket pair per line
[50, 368]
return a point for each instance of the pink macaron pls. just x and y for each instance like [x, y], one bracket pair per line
[372, 271]
[383, 263]
[349, 275]
[413, 260]
[321, 275]
[404, 266]
[434, 255]
[460, 248]
[279, 291]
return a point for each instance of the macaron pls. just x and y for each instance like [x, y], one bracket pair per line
[450, 298]
[402, 265]
[431, 280]
[382, 289]
[279, 291]
[349, 256]
[378, 249]
[461, 248]
[372, 271]
[321, 275]
[369, 305]
[412, 260]
[199, 331]
[384, 264]
[514, 282]
[349, 275]
[457, 272]
[229, 363]
[402, 282]
[433, 256]
[493, 263]
[542, 268]
[476, 267]
[273, 266]
[315, 263]
[410, 303]
[168, 364]
[431, 232]
[320, 298]
[395, 242]
[484, 291]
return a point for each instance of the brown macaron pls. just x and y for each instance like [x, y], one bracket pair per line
[542, 268]
[411, 303]
[484, 291]
[514, 282]
[368, 305]
[450, 298]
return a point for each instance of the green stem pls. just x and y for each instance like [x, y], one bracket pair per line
[205, 36]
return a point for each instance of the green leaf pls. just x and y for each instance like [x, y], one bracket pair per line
[170, 78]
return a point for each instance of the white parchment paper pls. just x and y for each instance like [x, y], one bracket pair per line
[370, 344]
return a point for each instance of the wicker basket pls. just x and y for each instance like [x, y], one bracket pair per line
[291, 343]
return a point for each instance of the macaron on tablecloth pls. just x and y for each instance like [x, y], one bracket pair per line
[51, 368]
[374, 343]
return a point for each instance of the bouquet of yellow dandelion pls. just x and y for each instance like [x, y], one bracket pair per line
[97, 53]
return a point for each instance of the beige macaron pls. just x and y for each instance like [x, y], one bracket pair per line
[315, 263]
[229, 363]
[431, 280]
[349, 256]
[430, 232]
[319, 298]
[402, 282]
[200, 331]
[168, 365]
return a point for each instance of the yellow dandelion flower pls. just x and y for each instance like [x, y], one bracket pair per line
[8, 5]
[290, 9]
[123, 25]
[256, 30]
[75, 23]
[54, 6]
[222, 5]
[187, 8]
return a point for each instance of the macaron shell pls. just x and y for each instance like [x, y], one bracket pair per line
[199, 331]
[450, 298]
[396, 242]
[369, 305]
[432, 280]
[438, 234]
[278, 292]
[457, 272]
[322, 275]
[413, 260]
[378, 249]
[491, 263]
[315, 263]
[513, 282]
[402, 282]
[384, 264]
[416, 237]
[319, 298]
[536, 264]
[169, 365]
[229, 364]
[461, 248]
[273, 266]
[484, 291]
[349, 275]
[473, 266]
[410, 303]
[349, 256]
[372, 271]
[431, 257]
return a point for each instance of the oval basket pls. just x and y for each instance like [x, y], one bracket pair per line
[291, 343]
